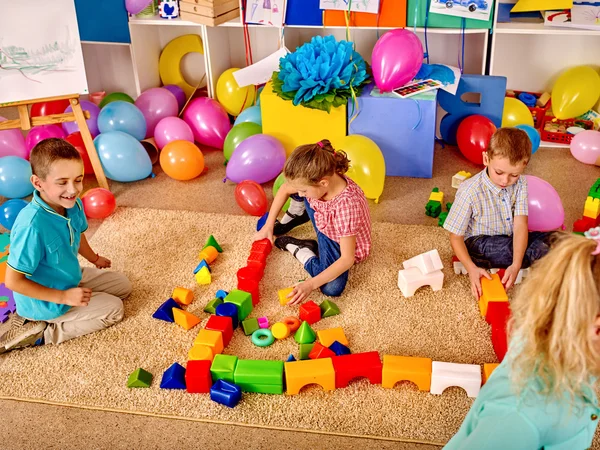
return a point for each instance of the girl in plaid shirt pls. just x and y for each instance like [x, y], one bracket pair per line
[338, 209]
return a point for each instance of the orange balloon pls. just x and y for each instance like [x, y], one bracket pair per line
[182, 160]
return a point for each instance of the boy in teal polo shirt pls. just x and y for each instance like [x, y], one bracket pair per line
[57, 300]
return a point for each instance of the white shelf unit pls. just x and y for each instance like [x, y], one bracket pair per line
[109, 67]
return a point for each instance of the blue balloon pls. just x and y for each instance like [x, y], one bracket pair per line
[9, 212]
[122, 116]
[534, 136]
[251, 114]
[15, 175]
[122, 156]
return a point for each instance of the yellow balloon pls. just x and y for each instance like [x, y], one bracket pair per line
[515, 113]
[367, 166]
[575, 92]
[233, 97]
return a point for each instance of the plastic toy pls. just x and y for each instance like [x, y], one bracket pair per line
[409, 280]
[497, 316]
[226, 393]
[304, 350]
[140, 378]
[263, 246]
[200, 265]
[436, 195]
[197, 377]
[319, 351]
[185, 319]
[212, 242]
[293, 323]
[290, 358]
[262, 337]
[211, 307]
[282, 294]
[173, 377]
[200, 352]
[280, 330]
[261, 222]
[493, 291]
[228, 310]
[406, 368]
[488, 368]
[433, 208]
[328, 309]
[242, 300]
[591, 208]
[466, 376]
[315, 371]
[222, 324]
[248, 278]
[305, 334]
[257, 259]
[263, 322]
[223, 367]
[444, 215]
[428, 262]
[210, 338]
[310, 312]
[263, 377]
[221, 294]
[203, 276]
[209, 254]
[339, 349]
[165, 311]
[459, 268]
[250, 326]
[459, 177]
[329, 336]
[182, 296]
[349, 367]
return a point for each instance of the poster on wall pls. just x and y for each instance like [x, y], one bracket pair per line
[266, 12]
[469, 9]
[368, 6]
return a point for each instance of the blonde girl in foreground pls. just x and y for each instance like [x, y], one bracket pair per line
[543, 393]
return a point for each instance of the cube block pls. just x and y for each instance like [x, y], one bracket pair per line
[197, 377]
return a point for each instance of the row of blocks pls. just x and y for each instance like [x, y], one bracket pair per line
[591, 210]
[459, 269]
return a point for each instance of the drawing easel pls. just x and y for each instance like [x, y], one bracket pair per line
[25, 122]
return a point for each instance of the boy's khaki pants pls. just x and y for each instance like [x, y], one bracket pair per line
[104, 309]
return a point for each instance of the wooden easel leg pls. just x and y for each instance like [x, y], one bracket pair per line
[89, 143]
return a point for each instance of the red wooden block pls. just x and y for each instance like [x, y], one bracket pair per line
[223, 324]
[497, 314]
[263, 246]
[455, 259]
[320, 351]
[252, 288]
[584, 224]
[348, 367]
[310, 312]
[501, 273]
[197, 376]
[499, 342]
[257, 261]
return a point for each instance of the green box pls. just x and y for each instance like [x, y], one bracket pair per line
[211, 307]
[261, 388]
[441, 20]
[250, 326]
[223, 367]
[243, 301]
[264, 377]
[305, 349]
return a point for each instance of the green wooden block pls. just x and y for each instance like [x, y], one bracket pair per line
[595, 190]
[305, 334]
[261, 388]
[250, 372]
[328, 309]
[250, 326]
[212, 242]
[211, 307]
[305, 349]
[243, 301]
[433, 208]
[139, 378]
[223, 367]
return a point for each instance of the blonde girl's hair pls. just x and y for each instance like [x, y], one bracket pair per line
[553, 313]
[312, 162]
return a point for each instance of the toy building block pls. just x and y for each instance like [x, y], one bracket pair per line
[221, 294]
[499, 342]
[339, 349]
[173, 377]
[442, 219]
[290, 358]
[139, 378]
[497, 315]
[458, 266]
[304, 350]
[466, 376]
[200, 352]
[592, 207]
[165, 311]
[584, 224]
[459, 177]
[212, 242]
[594, 191]
[487, 371]
[493, 291]
[433, 208]
[197, 376]
[228, 310]
[250, 326]
[328, 309]
[319, 351]
[203, 276]
[315, 371]
[427, 262]
[184, 319]
[282, 294]
[209, 254]
[406, 368]
[243, 301]
[436, 195]
[226, 393]
[263, 246]
[293, 323]
[210, 338]
[252, 288]
[223, 367]
[329, 336]
[280, 330]
[182, 296]
[263, 322]
[249, 275]
[409, 280]
[349, 367]
[222, 324]
[263, 377]
[202, 264]
[258, 260]
[211, 307]
[310, 312]
[305, 334]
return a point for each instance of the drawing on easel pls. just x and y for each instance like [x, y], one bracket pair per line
[266, 12]
[369, 6]
[40, 50]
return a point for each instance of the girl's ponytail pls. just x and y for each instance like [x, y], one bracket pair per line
[342, 163]
[312, 162]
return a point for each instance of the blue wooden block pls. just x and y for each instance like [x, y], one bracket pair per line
[226, 393]
[491, 91]
[303, 12]
[174, 377]
[228, 310]
[165, 311]
[389, 122]
[200, 266]
[290, 359]
[221, 294]
[339, 349]
[262, 221]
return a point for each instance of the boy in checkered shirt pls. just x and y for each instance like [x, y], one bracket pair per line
[338, 210]
[488, 219]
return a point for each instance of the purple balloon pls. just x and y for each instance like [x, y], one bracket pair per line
[92, 122]
[396, 59]
[208, 120]
[41, 132]
[156, 104]
[258, 158]
[136, 6]
[178, 93]
[585, 147]
[12, 143]
[546, 211]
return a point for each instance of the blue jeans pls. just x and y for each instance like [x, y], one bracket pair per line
[496, 252]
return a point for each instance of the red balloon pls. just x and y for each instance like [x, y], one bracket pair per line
[98, 203]
[76, 141]
[251, 197]
[47, 108]
[473, 136]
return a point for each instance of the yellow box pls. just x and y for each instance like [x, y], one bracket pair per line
[592, 208]
[493, 291]
[297, 125]
[210, 338]
[313, 371]
[328, 337]
[282, 294]
[406, 368]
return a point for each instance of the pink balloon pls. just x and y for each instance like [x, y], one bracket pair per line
[12, 143]
[546, 211]
[41, 132]
[396, 59]
[172, 129]
[156, 104]
[585, 147]
[92, 122]
[209, 121]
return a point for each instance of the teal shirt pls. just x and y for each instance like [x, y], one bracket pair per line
[44, 246]
[498, 421]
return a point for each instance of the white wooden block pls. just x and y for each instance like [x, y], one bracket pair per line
[445, 375]
[427, 262]
[459, 269]
[459, 177]
[409, 280]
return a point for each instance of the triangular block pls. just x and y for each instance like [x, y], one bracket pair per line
[305, 334]
[165, 311]
[212, 242]
[174, 377]
[319, 351]
[185, 319]
[211, 307]
[290, 359]
[203, 276]
[328, 309]
[139, 378]
[339, 349]
[200, 265]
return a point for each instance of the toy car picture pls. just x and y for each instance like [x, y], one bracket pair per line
[471, 5]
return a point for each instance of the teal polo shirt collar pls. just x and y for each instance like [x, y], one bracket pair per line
[40, 203]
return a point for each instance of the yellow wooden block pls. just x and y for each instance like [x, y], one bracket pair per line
[328, 337]
[437, 197]
[282, 294]
[200, 352]
[210, 338]
[592, 207]
[297, 125]
[185, 319]
[280, 330]
[208, 254]
[464, 173]
[203, 276]
[493, 291]
[406, 368]
[312, 371]
[182, 296]
[487, 371]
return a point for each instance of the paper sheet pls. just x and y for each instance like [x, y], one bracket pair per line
[261, 71]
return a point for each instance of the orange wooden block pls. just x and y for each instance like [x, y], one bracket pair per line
[200, 352]
[406, 368]
[392, 14]
[182, 296]
[493, 291]
[487, 371]
[208, 254]
[210, 338]
[185, 319]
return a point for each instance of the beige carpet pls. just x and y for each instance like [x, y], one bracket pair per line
[158, 250]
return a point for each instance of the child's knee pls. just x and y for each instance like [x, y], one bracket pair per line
[334, 288]
[114, 311]
[124, 286]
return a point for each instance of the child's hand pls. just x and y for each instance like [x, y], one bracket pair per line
[301, 292]
[102, 263]
[510, 275]
[76, 296]
[475, 277]
[264, 233]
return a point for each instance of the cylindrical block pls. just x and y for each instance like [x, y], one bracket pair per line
[199, 352]
[209, 254]
[182, 296]
[280, 330]
[228, 310]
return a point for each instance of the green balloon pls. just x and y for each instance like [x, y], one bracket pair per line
[115, 96]
[278, 182]
[237, 134]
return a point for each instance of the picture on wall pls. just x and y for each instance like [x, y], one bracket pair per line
[368, 6]
[469, 9]
[265, 12]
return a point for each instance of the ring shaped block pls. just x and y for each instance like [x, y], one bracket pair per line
[262, 337]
